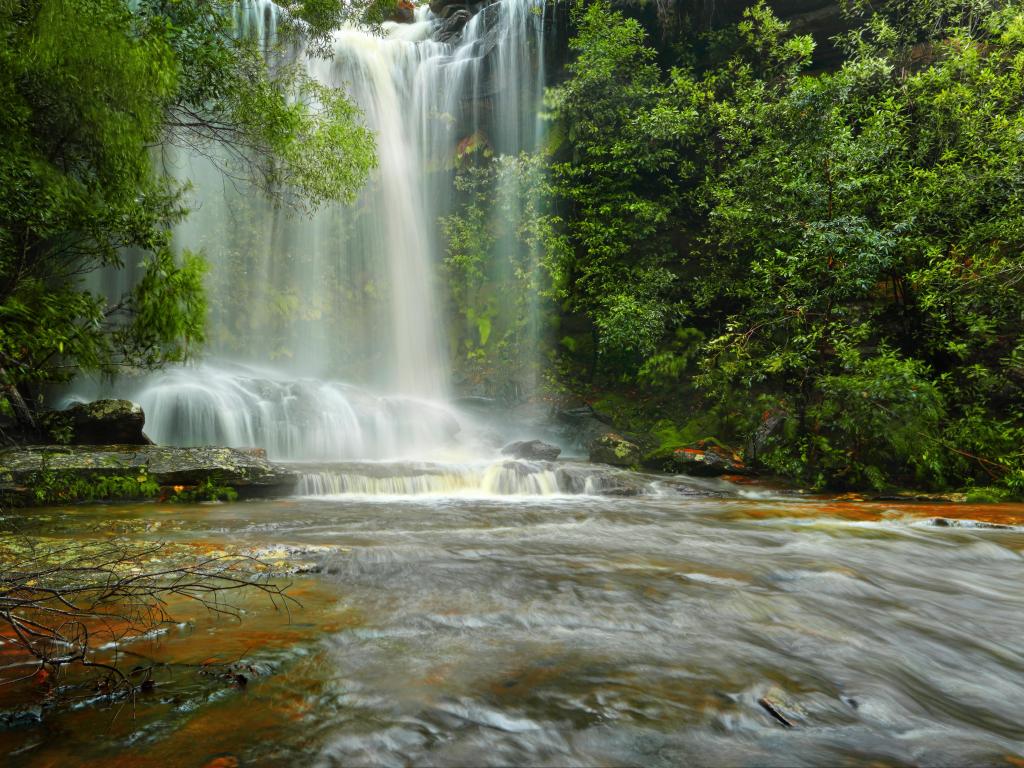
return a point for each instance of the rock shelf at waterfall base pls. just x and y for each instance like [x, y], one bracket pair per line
[24, 470]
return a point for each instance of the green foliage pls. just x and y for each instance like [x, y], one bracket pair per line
[667, 369]
[299, 141]
[624, 125]
[846, 245]
[876, 421]
[993, 495]
[54, 487]
[88, 89]
[495, 241]
[209, 489]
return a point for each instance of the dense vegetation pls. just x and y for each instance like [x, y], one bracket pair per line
[94, 98]
[819, 266]
[823, 268]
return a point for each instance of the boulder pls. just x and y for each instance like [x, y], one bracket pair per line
[105, 422]
[708, 461]
[534, 450]
[612, 448]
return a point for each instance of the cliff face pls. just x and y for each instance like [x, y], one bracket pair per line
[820, 18]
[668, 19]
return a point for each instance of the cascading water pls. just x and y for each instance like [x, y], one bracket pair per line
[294, 419]
[351, 294]
[493, 478]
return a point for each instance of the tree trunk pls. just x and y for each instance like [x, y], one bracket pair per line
[22, 413]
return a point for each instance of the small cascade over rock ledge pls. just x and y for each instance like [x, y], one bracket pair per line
[504, 477]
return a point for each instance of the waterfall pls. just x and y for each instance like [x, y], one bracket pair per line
[300, 305]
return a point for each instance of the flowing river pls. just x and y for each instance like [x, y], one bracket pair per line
[702, 624]
[495, 613]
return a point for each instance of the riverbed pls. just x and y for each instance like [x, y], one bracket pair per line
[715, 627]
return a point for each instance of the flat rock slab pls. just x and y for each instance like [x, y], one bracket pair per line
[242, 469]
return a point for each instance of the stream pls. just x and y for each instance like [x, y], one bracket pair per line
[707, 625]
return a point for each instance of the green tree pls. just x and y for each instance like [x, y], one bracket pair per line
[866, 224]
[88, 91]
[847, 242]
[619, 186]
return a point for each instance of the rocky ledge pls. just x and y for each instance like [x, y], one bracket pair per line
[24, 470]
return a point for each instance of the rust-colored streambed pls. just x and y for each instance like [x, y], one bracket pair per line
[710, 630]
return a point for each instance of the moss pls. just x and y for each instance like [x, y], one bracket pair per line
[209, 489]
[670, 436]
[992, 495]
[53, 486]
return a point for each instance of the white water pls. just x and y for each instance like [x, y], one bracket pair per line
[506, 477]
[299, 305]
[294, 419]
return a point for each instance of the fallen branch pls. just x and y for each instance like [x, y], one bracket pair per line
[61, 603]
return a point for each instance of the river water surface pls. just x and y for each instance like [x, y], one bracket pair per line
[702, 628]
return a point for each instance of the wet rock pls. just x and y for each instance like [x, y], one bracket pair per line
[771, 421]
[105, 422]
[946, 522]
[451, 27]
[444, 8]
[774, 709]
[534, 450]
[583, 425]
[622, 491]
[612, 448]
[259, 453]
[709, 461]
[243, 470]
[915, 496]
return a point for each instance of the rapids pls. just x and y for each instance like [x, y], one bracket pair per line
[576, 630]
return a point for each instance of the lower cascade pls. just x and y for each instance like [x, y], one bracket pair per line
[497, 478]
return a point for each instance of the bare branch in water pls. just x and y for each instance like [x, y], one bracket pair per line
[63, 603]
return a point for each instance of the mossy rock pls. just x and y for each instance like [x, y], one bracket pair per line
[104, 422]
[246, 471]
[612, 448]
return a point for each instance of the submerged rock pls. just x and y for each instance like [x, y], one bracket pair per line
[534, 450]
[21, 717]
[612, 448]
[105, 422]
